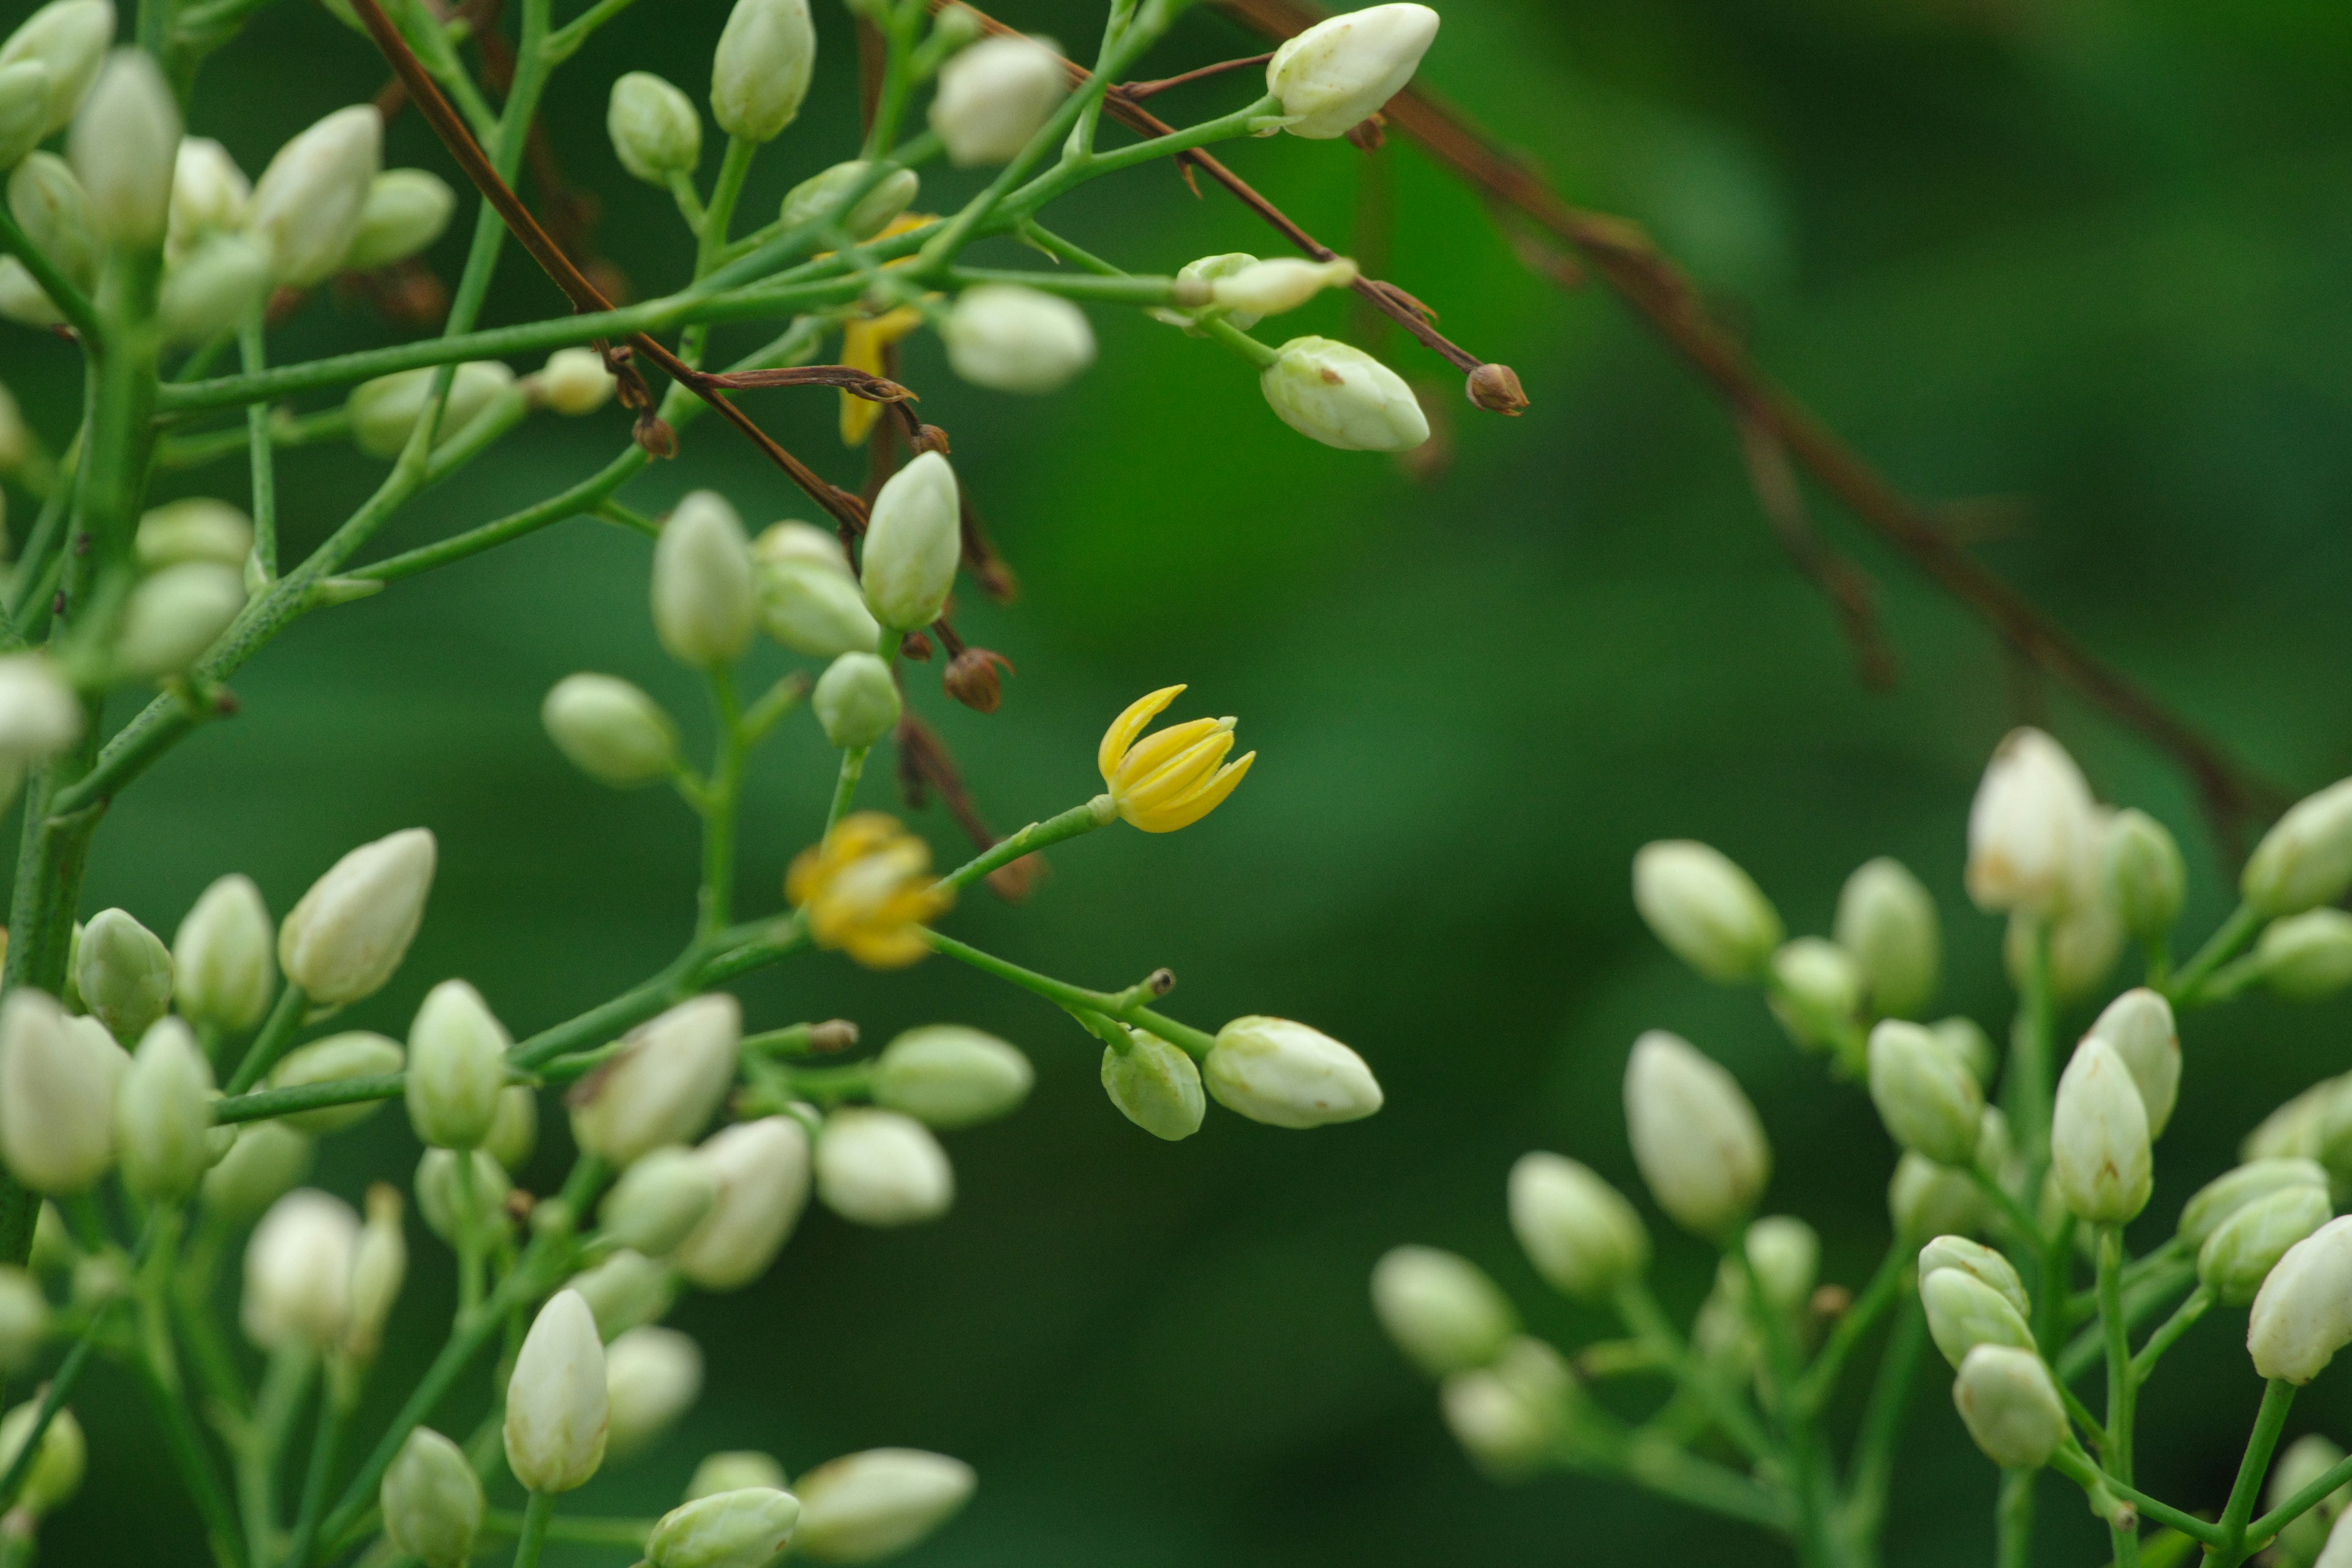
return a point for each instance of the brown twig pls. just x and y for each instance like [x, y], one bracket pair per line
[847, 377]
[1137, 91]
[1847, 585]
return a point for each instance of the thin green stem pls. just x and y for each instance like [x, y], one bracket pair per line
[1126, 1011]
[53, 1399]
[1872, 1466]
[1070, 824]
[71, 302]
[186, 1446]
[845, 786]
[286, 1383]
[1816, 1492]
[537, 1513]
[1820, 1380]
[2027, 1083]
[2168, 1333]
[583, 1529]
[326, 1447]
[2245, 924]
[2123, 1385]
[720, 800]
[1645, 1321]
[2013, 1520]
[2278, 1397]
[2261, 1531]
[252, 359]
[277, 1032]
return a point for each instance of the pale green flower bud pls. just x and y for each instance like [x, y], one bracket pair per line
[2138, 1025]
[456, 1067]
[1965, 1040]
[354, 1054]
[556, 1405]
[2244, 1248]
[2146, 875]
[664, 1085]
[2098, 1137]
[611, 730]
[815, 610]
[1441, 1310]
[745, 1528]
[1197, 279]
[2305, 859]
[451, 1208]
[996, 96]
[814, 199]
[574, 381]
[877, 1503]
[1705, 909]
[2303, 1314]
[1581, 1234]
[2225, 1194]
[2308, 956]
[164, 1114]
[1013, 338]
[307, 206]
[1886, 920]
[856, 701]
[210, 193]
[1695, 1137]
[405, 210]
[1287, 1074]
[124, 974]
[432, 1501]
[1964, 1312]
[267, 1160]
[1266, 288]
[2033, 830]
[2010, 1404]
[879, 1168]
[2298, 1130]
[343, 938]
[1337, 73]
[1925, 1095]
[760, 71]
[1337, 393]
[54, 1251]
[1817, 991]
[379, 1267]
[733, 1471]
[125, 138]
[652, 1377]
[385, 412]
[514, 1132]
[24, 1318]
[220, 283]
[1786, 1254]
[2086, 940]
[655, 129]
[762, 1169]
[1980, 1263]
[223, 970]
[625, 1291]
[658, 1200]
[1925, 1199]
[40, 714]
[197, 528]
[913, 543]
[1510, 1418]
[99, 1281]
[704, 603]
[2299, 1464]
[48, 203]
[948, 1075]
[23, 107]
[57, 1096]
[297, 1272]
[793, 542]
[55, 1474]
[1155, 1085]
[173, 616]
[68, 38]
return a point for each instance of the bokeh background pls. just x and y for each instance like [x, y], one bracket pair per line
[2082, 266]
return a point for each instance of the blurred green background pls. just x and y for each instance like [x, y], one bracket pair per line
[2090, 259]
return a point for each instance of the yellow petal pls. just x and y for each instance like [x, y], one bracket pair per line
[1198, 805]
[1181, 774]
[1128, 726]
[1150, 754]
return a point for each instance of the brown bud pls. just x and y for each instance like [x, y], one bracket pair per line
[833, 1035]
[917, 648]
[1017, 879]
[654, 434]
[519, 1204]
[1368, 135]
[971, 678]
[1160, 981]
[1496, 388]
[1831, 1301]
[930, 438]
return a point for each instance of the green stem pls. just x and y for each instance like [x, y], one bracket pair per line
[845, 786]
[1873, 1463]
[2013, 1520]
[186, 1446]
[2183, 1319]
[2278, 1397]
[53, 1399]
[2245, 924]
[285, 1387]
[719, 802]
[1801, 1441]
[2142, 1298]
[1070, 824]
[1673, 1472]
[2264, 1530]
[71, 302]
[277, 1032]
[1646, 1321]
[584, 1530]
[2122, 1384]
[326, 1445]
[1182, 1035]
[537, 1513]
[2026, 1084]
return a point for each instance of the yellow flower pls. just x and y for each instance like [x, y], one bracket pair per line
[867, 890]
[1171, 780]
[864, 339]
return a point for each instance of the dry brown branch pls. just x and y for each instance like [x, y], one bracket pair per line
[1847, 585]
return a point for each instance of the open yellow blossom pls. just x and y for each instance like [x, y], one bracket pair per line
[867, 890]
[1172, 779]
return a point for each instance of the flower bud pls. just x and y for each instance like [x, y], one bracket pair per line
[877, 1503]
[734, 1471]
[2226, 1194]
[1964, 1312]
[353, 1054]
[2098, 1137]
[1510, 1418]
[879, 1168]
[2146, 875]
[456, 1067]
[556, 1405]
[514, 1131]
[216, 285]
[2032, 830]
[57, 1096]
[1925, 1095]
[658, 1200]
[55, 1474]
[856, 701]
[379, 1267]
[651, 1377]
[2308, 956]
[173, 616]
[23, 106]
[125, 138]
[1925, 1199]
[665, 1085]
[1441, 1310]
[1013, 339]
[1981, 1264]
[1266, 288]
[815, 198]
[626, 1290]
[164, 1114]
[1816, 992]
[761, 73]
[704, 603]
[1287, 1074]
[1337, 73]
[48, 203]
[2085, 939]
[405, 210]
[1581, 1234]
[343, 938]
[1197, 280]
[432, 1501]
[297, 1272]
[1966, 1041]
[1694, 1136]
[947, 1076]
[762, 1171]
[124, 974]
[69, 40]
[611, 730]
[1705, 909]
[813, 609]
[1786, 1254]
[2244, 1248]
[2305, 859]
[453, 1209]
[263, 1165]
[655, 129]
[574, 381]
[913, 543]
[39, 715]
[2299, 1464]
[1155, 1085]
[1886, 920]
[2303, 1314]
[196, 528]
[743, 1528]
[385, 411]
[2010, 1404]
[54, 1252]
[24, 1319]
[996, 96]
[209, 194]
[307, 206]
[2138, 1025]
[2298, 1130]
[1337, 393]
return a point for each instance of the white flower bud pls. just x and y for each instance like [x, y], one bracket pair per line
[1337, 73]
[2138, 1025]
[1337, 393]
[2296, 1129]
[1925, 1094]
[379, 1267]
[913, 543]
[218, 284]
[2244, 1248]
[344, 937]
[353, 1054]
[57, 1096]
[1441, 1310]
[196, 528]
[1266, 288]
[1886, 920]
[514, 1131]
[1708, 911]
[24, 110]
[1925, 1199]
[2085, 939]
[664, 1085]
[1816, 993]
[704, 603]
[556, 1405]
[574, 381]
[1981, 1264]
[1786, 1254]
[125, 139]
[815, 610]
[761, 73]
[405, 210]
[2010, 1404]
[173, 616]
[2303, 1315]
[1694, 1136]
[453, 1210]
[39, 715]
[1210, 269]
[2305, 859]
[385, 412]
[948, 1075]
[1581, 1235]
[55, 1474]
[2226, 1194]
[611, 730]
[1964, 1312]
[626, 1290]
[1510, 1418]
[879, 1168]
[164, 1114]
[2299, 1464]
[456, 1067]
[655, 129]
[48, 203]
[432, 1501]
[124, 974]
[266, 1162]
[2098, 1137]
[856, 701]
[877, 1503]
[2146, 875]
[996, 96]
[297, 1272]
[24, 1318]
[68, 38]
[1156, 1086]
[739, 1528]
[308, 205]
[209, 194]
[1287, 1074]
[1012, 339]
[652, 1376]
[2308, 956]
[815, 198]
[658, 1200]
[733, 1471]
[2033, 830]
